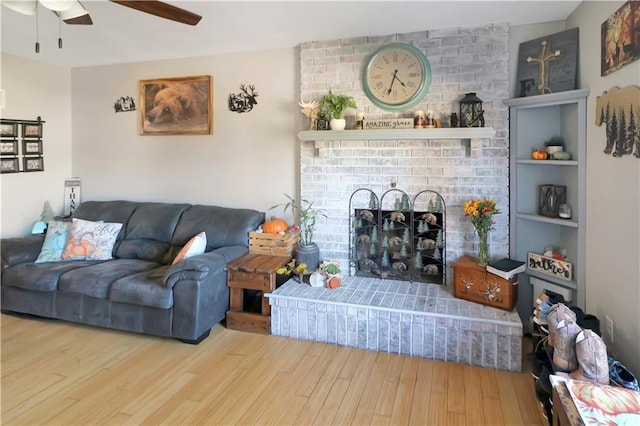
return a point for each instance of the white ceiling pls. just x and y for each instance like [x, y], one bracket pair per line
[121, 34]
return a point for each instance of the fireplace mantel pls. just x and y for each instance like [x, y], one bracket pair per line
[470, 133]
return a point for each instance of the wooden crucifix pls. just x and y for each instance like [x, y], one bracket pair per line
[542, 60]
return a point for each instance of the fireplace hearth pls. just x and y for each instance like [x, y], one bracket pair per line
[395, 237]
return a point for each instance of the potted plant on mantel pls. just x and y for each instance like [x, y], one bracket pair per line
[333, 106]
[307, 251]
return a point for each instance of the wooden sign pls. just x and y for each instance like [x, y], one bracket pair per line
[392, 123]
[550, 266]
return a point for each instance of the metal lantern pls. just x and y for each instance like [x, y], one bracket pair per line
[471, 112]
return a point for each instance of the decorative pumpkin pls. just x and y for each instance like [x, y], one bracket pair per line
[539, 154]
[274, 226]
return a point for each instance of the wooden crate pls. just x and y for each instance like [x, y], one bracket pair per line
[273, 244]
[252, 272]
[472, 282]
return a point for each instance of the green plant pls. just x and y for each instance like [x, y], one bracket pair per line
[334, 105]
[308, 216]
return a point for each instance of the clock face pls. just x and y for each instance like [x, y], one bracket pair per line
[397, 77]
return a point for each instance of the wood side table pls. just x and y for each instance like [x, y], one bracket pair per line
[252, 272]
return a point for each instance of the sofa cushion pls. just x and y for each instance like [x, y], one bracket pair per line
[55, 242]
[40, 276]
[223, 226]
[96, 280]
[145, 288]
[91, 240]
[107, 211]
[149, 231]
[195, 246]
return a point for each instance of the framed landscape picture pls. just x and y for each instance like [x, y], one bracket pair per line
[9, 165]
[33, 164]
[9, 130]
[9, 147]
[176, 106]
[620, 38]
[31, 130]
[31, 147]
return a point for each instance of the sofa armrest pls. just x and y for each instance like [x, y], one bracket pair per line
[20, 250]
[198, 267]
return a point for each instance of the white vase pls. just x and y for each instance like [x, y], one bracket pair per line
[338, 123]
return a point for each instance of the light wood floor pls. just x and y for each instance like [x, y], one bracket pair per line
[60, 373]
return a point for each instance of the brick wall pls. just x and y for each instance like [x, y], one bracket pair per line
[462, 60]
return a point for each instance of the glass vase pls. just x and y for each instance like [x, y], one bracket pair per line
[483, 247]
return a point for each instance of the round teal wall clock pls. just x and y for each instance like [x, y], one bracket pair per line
[397, 77]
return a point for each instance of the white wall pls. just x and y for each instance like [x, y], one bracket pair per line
[248, 161]
[35, 89]
[613, 200]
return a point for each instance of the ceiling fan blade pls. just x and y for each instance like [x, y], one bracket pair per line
[162, 9]
[76, 15]
[24, 7]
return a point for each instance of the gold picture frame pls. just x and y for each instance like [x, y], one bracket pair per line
[177, 106]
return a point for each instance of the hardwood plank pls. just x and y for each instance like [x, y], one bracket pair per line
[474, 409]
[438, 413]
[422, 395]
[356, 389]
[455, 389]
[386, 399]
[506, 390]
[406, 389]
[367, 402]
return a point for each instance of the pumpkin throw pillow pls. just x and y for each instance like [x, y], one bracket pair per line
[195, 246]
[55, 242]
[91, 240]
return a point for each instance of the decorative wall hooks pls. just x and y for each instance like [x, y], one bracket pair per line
[26, 156]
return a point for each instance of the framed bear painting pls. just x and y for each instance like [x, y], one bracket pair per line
[176, 106]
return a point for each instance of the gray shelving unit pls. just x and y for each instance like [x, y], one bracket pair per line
[532, 121]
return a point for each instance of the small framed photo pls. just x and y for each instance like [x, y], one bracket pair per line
[33, 164]
[31, 130]
[32, 147]
[9, 165]
[9, 147]
[9, 130]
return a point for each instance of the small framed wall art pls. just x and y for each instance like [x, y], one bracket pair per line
[176, 106]
[620, 38]
[9, 147]
[33, 164]
[9, 130]
[32, 130]
[9, 165]
[31, 147]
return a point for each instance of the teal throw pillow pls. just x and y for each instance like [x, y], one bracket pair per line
[54, 242]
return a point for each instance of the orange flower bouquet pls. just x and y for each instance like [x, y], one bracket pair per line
[480, 212]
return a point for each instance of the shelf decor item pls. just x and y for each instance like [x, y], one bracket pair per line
[480, 212]
[471, 112]
[333, 106]
[549, 265]
[549, 199]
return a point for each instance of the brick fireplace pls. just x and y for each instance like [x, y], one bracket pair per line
[462, 60]
[407, 317]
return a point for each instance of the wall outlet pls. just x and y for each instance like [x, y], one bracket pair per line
[609, 323]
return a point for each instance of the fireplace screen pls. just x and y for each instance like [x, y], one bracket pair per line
[394, 237]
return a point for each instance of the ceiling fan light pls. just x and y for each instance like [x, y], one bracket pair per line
[58, 5]
[76, 11]
[22, 6]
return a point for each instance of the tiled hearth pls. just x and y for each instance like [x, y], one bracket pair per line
[408, 318]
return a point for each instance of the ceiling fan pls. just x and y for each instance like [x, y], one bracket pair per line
[73, 12]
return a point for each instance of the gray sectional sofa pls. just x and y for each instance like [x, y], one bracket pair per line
[138, 290]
